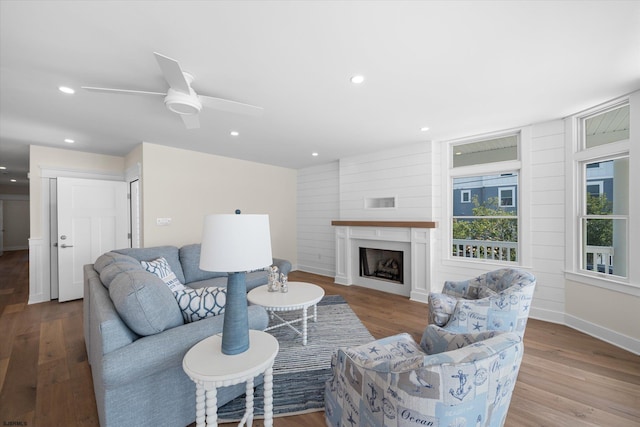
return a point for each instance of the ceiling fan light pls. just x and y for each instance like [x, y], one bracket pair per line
[182, 103]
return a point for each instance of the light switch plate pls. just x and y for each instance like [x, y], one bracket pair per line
[163, 221]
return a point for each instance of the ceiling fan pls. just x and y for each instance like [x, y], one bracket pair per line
[182, 99]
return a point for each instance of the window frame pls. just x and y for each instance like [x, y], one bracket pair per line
[522, 196]
[577, 155]
[513, 196]
[463, 193]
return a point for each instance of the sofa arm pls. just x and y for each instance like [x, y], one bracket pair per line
[283, 265]
[165, 350]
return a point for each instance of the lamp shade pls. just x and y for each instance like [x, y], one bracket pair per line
[233, 243]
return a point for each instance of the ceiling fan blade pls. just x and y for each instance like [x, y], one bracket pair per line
[230, 106]
[106, 89]
[190, 121]
[172, 72]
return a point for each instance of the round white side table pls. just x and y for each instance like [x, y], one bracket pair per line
[300, 296]
[209, 368]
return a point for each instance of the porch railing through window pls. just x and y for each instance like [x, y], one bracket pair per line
[485, 249]
[599, 258]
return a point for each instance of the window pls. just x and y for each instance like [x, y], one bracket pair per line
[604, 217]
[603, 190]
[485, 224]
[507, 197]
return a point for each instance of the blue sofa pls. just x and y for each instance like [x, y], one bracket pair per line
[136, 337]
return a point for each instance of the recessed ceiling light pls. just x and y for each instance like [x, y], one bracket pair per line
[3, 167]
[357, 79]
[458, 153]
[234, 133]
[69, 140]
[13, 180]
[424, 129]
[314, 154]
[67, 90]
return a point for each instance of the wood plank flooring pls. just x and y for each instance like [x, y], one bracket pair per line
[567, 378]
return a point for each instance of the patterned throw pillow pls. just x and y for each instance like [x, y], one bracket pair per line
[160, 267]
[198, 304]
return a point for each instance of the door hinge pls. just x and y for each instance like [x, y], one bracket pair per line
[128, 196]
[128, 235]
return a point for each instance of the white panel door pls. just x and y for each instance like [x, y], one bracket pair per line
[92, 220]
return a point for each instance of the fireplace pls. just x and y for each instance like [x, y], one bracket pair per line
[403, 242]
[382, 264]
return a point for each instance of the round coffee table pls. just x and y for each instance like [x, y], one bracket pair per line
[209, 368]
[301, 296]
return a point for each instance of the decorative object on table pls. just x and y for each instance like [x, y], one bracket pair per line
[274, 284]
[235, 244]
[284, 283]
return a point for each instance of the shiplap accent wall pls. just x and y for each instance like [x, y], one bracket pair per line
[548, 199]
[318, 205]
[402, 173]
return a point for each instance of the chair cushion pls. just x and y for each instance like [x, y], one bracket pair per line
[441, 307]
[144, 302]
[437, 340]
[198, 304]
[161, 268]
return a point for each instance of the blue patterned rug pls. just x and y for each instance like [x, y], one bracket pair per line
[299, 372]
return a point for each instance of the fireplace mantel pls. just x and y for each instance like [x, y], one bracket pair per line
[408, 224]
[414, 235]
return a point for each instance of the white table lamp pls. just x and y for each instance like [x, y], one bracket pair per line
[235, 244]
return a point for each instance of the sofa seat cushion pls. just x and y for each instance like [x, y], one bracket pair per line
[198, 304]
[170, 253]
[144, 302]
[190, 260]
[161, 268]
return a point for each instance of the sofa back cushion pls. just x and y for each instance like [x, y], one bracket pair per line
[170, 253]
[190, 260]
[144, 302]
[109, 272]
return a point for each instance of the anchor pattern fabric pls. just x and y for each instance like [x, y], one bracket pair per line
[393, 382]
[496, 301]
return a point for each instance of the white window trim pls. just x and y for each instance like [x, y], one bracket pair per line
[523, 197]
[513, 196]
[600, 185]
[575, 156]
[463, 193]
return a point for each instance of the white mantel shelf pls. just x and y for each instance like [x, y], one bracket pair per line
[408, 224]
[415, 235]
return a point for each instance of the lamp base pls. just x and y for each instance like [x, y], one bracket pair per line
[235, 329]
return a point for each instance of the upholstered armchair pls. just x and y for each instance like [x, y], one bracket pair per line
[496, 301]
[448, 380]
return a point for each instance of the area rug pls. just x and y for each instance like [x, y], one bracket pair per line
[299, 372]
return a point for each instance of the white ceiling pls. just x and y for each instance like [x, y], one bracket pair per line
[460, 68]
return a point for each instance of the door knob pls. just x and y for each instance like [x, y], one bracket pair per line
[64, 245]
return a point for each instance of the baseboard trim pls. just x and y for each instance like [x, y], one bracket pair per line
[607, 335]
[315, 270]
[547, 315]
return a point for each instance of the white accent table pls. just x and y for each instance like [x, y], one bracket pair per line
[209, 368]
[301, 296]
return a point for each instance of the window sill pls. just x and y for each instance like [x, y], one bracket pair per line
[603, 282]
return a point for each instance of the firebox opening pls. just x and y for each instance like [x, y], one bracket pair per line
[382, 264]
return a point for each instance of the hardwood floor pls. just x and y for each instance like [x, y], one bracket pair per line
[567, 378]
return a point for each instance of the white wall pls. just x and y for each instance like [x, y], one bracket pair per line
[402, 172]
[15, 222]
[186, 185]
[318, 205]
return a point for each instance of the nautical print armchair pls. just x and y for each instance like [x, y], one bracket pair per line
[496, 301]
[449, 380]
